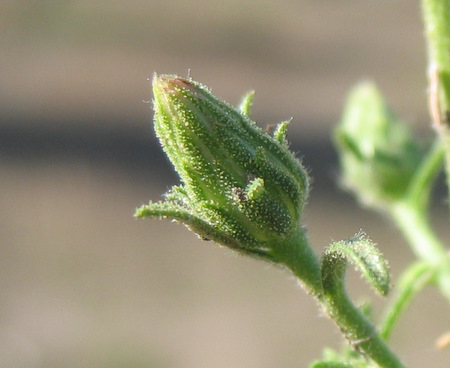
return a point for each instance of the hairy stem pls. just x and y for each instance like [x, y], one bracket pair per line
[356, 328]
[298, 255]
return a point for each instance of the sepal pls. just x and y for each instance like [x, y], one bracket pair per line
[246, 103]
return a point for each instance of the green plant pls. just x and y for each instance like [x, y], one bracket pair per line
[243, 188]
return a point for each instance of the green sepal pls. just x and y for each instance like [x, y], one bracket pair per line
[255, 189]
[246, 103]
[168, 210]
[283, 185]
[280, 133]
[364, 255]
[240, 241]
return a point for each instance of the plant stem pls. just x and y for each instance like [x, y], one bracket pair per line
[410, 215]
[445, 138]
[298, 255]
[357, 329]
[412, 281]
[419, 189]
[427, 247]
[436, 16]
[417, 230]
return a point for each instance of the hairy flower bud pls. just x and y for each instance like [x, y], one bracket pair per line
[378, 155]
[242, 187]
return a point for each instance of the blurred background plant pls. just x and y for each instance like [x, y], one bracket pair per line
[83, 284]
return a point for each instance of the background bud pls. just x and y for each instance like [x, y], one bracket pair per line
[241, 186]
[377, 153]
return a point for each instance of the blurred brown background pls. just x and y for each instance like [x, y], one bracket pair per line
[82, 283]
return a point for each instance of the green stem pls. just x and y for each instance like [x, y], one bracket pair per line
[357, 329]
[416, 228]
[427, 247]
[445, 138]
[299, 256]
[410, 215]
[419, 189]
[436, 16]
[412, 281]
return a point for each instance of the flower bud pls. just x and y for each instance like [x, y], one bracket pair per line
[378, 155]
[242, 187]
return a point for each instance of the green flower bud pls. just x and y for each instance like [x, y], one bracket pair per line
[378, 155]
[242, 187]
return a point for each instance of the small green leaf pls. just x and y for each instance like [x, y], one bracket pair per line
[364, 255]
